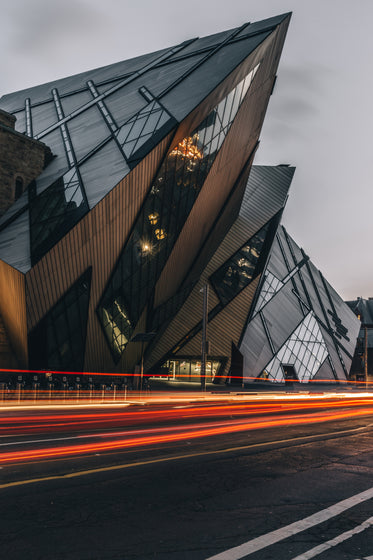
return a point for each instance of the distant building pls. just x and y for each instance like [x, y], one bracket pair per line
[150, 195]
[362, 364]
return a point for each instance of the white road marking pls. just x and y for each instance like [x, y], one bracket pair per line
[273, 537]
[334, 542]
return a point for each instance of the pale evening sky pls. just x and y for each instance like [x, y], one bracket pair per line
[320, 117]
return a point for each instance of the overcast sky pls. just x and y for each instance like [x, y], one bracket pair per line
[320, 117]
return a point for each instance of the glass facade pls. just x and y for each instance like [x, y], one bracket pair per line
[166, 208]
[304, 351]
[58, 341]
[54, 212]
[241, 268]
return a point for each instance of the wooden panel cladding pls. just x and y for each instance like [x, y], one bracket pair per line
[225, 328]
[97, 241]
[239, 144]
[13, 312]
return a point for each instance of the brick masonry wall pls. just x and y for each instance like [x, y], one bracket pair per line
[20, 156]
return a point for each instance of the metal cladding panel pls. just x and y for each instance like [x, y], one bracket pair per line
[308, 280]
[282, 315]
[325, 372]
[347, 317]
[346, 359]
[96, 180]
[259, 26]
[43, 116]
[276, 264]
[267, 187]
[165, 74]
[204, 43]
[87, 131]
[333, 353]
[285, 248]
[225, 328]
[72, 102]
[255, 348]
[13, 311]
[299, 289]
[41, 93]
[97, 241]
[125, 102]
[295, 248]
[183, 98]
[15, 243]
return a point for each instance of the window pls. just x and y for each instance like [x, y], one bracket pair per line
[18, 188]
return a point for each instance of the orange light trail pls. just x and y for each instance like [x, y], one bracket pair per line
[181, 435]
[31, 423]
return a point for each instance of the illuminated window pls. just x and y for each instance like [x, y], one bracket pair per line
[160, 233]
[153, 218]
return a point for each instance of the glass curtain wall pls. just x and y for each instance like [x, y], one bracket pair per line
[172, 195]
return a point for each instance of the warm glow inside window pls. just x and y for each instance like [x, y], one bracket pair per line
[153, 218]
[188, 148]
[160, 233]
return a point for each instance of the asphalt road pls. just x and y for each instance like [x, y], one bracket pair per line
[285, 492]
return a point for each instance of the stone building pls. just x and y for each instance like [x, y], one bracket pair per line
[22, 159]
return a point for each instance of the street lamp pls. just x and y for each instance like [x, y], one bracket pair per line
[142, 337]
[205, 291]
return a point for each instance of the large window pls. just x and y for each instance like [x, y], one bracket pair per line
[166, 208]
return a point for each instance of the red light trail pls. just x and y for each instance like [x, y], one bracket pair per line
[189, 422]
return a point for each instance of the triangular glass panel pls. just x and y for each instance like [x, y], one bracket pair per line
[305, 351]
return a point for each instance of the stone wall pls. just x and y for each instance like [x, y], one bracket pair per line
[22, 159]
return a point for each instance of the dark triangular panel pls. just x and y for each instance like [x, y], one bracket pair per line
[58, 341]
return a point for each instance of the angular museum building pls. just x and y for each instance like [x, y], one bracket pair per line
[127, 189]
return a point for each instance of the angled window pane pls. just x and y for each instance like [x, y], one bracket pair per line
[54, 212]
[170, 200]
[241, 268]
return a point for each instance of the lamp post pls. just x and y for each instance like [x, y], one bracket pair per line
[142, 337]
[205, 291]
